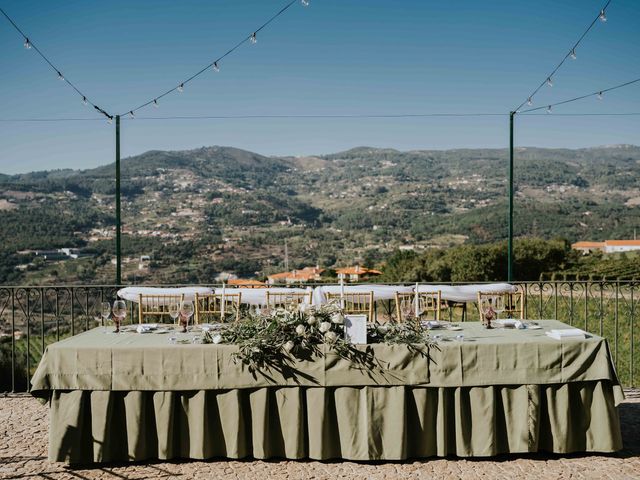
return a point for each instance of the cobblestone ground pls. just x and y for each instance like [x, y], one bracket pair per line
[23, 451]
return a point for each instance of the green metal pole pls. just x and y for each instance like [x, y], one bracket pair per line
[510, 241]
[118, 223]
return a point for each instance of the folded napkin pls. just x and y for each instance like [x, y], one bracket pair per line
[510, 322]
[146, 327]
[566, 333]
[433, 324]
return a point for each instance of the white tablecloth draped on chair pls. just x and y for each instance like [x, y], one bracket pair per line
[466, 293]
[133, 293]
[258, 296]
[380, 292]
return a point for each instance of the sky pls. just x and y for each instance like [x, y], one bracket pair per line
[332, 57]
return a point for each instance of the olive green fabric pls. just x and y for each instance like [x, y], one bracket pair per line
[131, 361]
[355, 423]
[135, 397]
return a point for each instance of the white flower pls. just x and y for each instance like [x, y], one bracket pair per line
[289, 346]
[330, 337]
[325, 327]
[302, 307]
[217, 338]
[300, 329]
[255, 350]
[382, 329]
[337, 318]
[311, 319]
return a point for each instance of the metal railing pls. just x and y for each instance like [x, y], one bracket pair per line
[33, 317]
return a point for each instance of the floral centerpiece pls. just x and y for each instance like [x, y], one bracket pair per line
[265, 337]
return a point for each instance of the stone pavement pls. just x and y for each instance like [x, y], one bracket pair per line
[23, 452]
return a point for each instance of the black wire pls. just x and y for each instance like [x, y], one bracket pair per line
[215, 62]
[53, 67]
[584, 34]
[327, 116]
[599, 92]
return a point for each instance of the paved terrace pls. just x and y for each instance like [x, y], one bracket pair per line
[23, 454]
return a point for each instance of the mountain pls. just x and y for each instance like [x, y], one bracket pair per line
[204, 211]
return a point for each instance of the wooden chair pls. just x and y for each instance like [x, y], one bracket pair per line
[210, 305]
[513, 303]
[286, 299]
[354, 303]
[156, 306]
[427, 302]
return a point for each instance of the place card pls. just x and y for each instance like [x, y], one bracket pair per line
[355, 329]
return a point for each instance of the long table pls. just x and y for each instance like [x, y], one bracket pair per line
[132, 397]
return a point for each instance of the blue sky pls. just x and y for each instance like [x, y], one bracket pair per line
[335, 56]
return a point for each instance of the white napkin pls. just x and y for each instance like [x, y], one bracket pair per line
[146, 327]
[566, 333]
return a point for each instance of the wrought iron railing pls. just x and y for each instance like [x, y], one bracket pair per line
[33, 317]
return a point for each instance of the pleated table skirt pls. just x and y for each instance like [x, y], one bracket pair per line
[321, 423]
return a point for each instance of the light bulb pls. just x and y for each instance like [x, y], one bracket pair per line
[60, 77]
[181, 88]
[529, 101]
[599, 95]
[84, 100]
[602, 16]
[305, 3]
[27, 44]
[549, 81]
[216, 68]
[131, 114]
[549, 109]
[573, 54]
[155, 103]
[110, 120]
[253, 39]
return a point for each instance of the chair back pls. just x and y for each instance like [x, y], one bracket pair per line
[210, 307]
[428, 303]
[505, 304]
[354, 303]
[287, 299]
[156, 306]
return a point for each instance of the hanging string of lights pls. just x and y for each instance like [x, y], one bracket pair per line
[598, 94]
[216, 64]
[29, 45]
[602, 17]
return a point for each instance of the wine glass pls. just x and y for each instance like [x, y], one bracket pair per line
[174, 311]
[105, 313]
[119, 312]
[186, 312]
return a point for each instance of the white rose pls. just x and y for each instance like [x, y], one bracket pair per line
[311, 319]
[300, 329]
[337, 318]
[330, 337]
[217, 338]
[382, 329]
[325, 327]
[289, 346]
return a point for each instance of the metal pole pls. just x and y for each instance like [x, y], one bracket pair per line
[118, 224]
[510, 241]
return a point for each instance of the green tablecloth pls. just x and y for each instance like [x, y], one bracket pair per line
[134, 397]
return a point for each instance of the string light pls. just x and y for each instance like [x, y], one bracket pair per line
[60, 76]
[253, 39]
[27, 44]
[155, 103]
[215, 67]
[305, 3]
[110, 120]
[84, 101]
[599, 95]
[181, 88]
[602, 16]
[549, 109]
[131, 114]
[572, 54]
[529, 101]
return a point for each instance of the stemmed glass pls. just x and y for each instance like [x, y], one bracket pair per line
[186, 312]
[105, 313]
[119, 312]
[174, 311]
